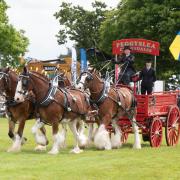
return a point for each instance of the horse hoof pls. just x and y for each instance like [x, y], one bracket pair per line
[40, 148]
[53, 152]
[76, 151]
[83, 146]
[14, 149]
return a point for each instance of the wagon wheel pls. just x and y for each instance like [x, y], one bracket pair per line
[172, 129]
[124, 136]
[155, 133]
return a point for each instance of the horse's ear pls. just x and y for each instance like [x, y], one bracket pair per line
[91, 70]
[7, 70]
[25, 70]
[63, 73]
[95, 71]
[98, 73]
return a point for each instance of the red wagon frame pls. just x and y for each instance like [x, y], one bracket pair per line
[153, 111]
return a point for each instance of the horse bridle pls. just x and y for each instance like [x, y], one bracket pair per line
[5, 76]
[89, 77]
[25, 83]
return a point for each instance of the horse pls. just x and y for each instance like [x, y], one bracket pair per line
[64, 82]
[63, 106]
[18, 112]
[112, 104]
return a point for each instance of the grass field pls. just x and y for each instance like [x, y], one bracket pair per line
[124, 163]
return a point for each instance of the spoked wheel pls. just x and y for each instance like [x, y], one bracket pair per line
[156, 132]
[124, 136]
[172, 129]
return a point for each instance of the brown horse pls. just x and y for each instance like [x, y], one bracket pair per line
[63, 82]
[18, 112]
[112, 103]
[64, 106]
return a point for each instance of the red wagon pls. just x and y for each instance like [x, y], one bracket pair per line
[153, 111]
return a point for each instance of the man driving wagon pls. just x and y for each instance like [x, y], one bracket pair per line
[127, 68]
[127, 71]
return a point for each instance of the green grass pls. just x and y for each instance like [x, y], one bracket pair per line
[125, 163]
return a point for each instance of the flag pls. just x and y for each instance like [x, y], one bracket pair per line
[83, 59]
[175, 47]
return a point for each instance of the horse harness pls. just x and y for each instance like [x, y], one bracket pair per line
[50, 97]
[104, 94]
[9, 101]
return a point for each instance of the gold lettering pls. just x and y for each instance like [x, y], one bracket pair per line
[135, 43]
[143, 44]
[122, 44]
[148, 45]
[131, 43]
[140, 43]
[126, 44]
[153, 46]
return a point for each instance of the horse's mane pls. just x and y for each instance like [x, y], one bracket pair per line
[8, 71]
[39, 75]
[96, 73]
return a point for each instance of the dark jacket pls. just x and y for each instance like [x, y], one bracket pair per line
[148, 77]
[128, 60]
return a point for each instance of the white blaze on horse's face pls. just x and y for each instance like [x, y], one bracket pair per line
[19, 97]
[81, 83]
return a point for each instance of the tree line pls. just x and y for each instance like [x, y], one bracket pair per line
[13, 43]
[157, 20]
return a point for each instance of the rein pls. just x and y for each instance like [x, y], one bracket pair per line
[105, 65]
[49, 97]
[119, 79]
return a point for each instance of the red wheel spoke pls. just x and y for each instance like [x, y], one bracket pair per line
[173, 126]
[156, 132]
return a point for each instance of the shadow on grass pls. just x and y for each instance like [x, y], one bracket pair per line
[66, 151]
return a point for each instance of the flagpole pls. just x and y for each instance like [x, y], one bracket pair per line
[74, 66]
[155, 63]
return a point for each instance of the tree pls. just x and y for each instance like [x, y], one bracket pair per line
[13, 43]
[157, 20]
[80, 25]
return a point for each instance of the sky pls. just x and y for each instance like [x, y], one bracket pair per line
[36, 18]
